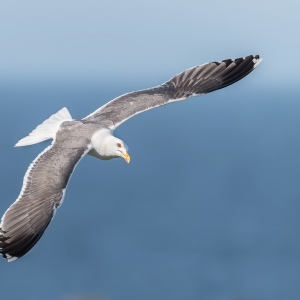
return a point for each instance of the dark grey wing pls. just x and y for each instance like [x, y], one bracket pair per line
[192, 82]
[44, 186]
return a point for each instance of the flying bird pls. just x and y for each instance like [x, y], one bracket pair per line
[46, 179]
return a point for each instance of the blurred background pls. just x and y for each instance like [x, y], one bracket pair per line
[209, 206]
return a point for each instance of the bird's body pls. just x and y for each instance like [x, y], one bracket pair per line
[46, 179]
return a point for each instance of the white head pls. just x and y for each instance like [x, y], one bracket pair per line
[106, 146]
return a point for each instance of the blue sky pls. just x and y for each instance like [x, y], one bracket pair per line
[132, 40]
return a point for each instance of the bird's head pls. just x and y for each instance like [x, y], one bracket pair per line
[120, 149]
[106, 146]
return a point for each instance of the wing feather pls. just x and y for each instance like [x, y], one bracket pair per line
[45, 181]
[192, 82]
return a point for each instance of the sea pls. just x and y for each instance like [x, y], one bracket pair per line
[207, 209]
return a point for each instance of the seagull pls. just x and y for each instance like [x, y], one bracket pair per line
[45, 181]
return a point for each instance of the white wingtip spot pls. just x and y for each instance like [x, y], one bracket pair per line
[257, 62]
[10, 258]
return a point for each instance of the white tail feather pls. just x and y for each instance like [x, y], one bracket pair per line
[47, 129]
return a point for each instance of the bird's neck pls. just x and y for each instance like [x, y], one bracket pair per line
[101, 143]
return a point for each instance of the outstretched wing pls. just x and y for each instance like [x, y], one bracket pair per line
[192, 82]
[44, 186]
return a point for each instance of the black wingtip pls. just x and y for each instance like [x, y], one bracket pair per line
[13, 248]
[238, 69]
[212, 76]
[233, 70]
[3, 252]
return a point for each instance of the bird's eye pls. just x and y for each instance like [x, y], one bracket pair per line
[119, 145]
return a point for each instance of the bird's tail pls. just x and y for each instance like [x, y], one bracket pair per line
[47, 129]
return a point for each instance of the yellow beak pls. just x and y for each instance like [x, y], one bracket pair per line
[126, 157]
